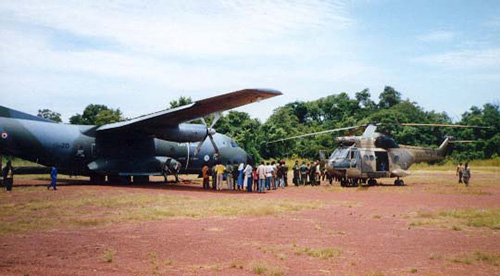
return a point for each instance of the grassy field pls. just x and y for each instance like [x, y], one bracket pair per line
[88, 208]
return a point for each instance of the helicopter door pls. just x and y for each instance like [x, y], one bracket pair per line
[353, 158]
[382, 161]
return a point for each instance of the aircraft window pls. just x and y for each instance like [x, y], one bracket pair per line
[366, 157]
[353, 155]
[396, 158]
[339, 154]
[372, 157]
[233, 144]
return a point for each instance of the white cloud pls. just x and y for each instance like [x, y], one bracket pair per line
[437, 36]
[464, 59]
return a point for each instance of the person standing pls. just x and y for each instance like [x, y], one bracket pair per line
[8, 176]
[285, 172]
[296, 173]
[303, 173]
[255, 177]
[279, 174]
[318, 172]
[177, 168]
[274, 175]
[466, 175]
[269, 175]
[235, 174]
[229, 177]
[214, 178]
[205, 174]
[248, 182]
[53, 177]
[241, 167]
[261, 172]
[312, 173]
[460, 172]
[220, 175]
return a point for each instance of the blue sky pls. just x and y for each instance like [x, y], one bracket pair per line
[139, 55]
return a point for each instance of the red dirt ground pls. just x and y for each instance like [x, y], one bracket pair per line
[371, 227]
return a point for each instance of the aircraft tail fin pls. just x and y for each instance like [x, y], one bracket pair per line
[11, 113]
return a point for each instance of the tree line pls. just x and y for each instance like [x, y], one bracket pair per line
[336, 111]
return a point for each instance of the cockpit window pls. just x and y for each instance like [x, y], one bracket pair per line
[233, 144]
[339, 153]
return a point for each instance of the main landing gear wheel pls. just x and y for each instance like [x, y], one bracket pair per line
[372, 182]
[399, 182]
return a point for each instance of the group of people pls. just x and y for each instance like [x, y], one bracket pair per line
[464, 174]
[310, 174]
[8, 177]
[245, 177]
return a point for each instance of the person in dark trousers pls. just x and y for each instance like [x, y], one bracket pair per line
[205, 173]
[466, 175]
[303, 173]
[53, 177]
[296, 173]
[460, 173]
[8, 176]
[284, 167]
[312, 174]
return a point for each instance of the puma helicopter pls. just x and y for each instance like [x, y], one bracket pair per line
[373, 155]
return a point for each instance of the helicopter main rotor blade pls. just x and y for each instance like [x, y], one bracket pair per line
[314, 133]
[440, 125]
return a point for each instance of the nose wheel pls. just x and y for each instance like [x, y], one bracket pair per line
[399, 182]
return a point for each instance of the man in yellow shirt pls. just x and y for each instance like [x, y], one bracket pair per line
[219, 169]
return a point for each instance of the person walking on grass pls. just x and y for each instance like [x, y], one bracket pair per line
[53, 177]
[460, 172]
[466, 175]
[8, 176]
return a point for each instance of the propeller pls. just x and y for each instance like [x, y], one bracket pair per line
[210, 132]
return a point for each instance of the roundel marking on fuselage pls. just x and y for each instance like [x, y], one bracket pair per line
[206, 158]
[5, 135]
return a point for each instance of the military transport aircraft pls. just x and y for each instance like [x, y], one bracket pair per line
[363, 159]
[136, 148]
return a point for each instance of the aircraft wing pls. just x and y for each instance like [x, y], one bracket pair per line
[198, 109]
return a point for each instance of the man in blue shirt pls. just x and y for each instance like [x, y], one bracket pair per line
[53, 177]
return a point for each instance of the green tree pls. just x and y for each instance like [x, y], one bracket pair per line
[49, 114]
[97, 114]
[389, 98]
[180, 102]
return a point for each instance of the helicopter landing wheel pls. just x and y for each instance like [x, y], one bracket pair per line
[372, 182]
[399, 182]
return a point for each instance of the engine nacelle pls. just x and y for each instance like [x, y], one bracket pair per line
[183, 133]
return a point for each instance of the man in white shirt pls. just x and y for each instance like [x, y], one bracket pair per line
[269, 175]
[261, 172]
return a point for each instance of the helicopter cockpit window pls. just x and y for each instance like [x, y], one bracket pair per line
[339, 153]
[353, 155]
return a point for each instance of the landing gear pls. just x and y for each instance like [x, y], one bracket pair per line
[399, 182]
[349, 182]
[97, 179]
[141, 179]
[372, 182]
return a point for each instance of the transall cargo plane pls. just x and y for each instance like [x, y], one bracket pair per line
[135, 148]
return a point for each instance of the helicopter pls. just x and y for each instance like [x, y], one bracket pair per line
[373, 155]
